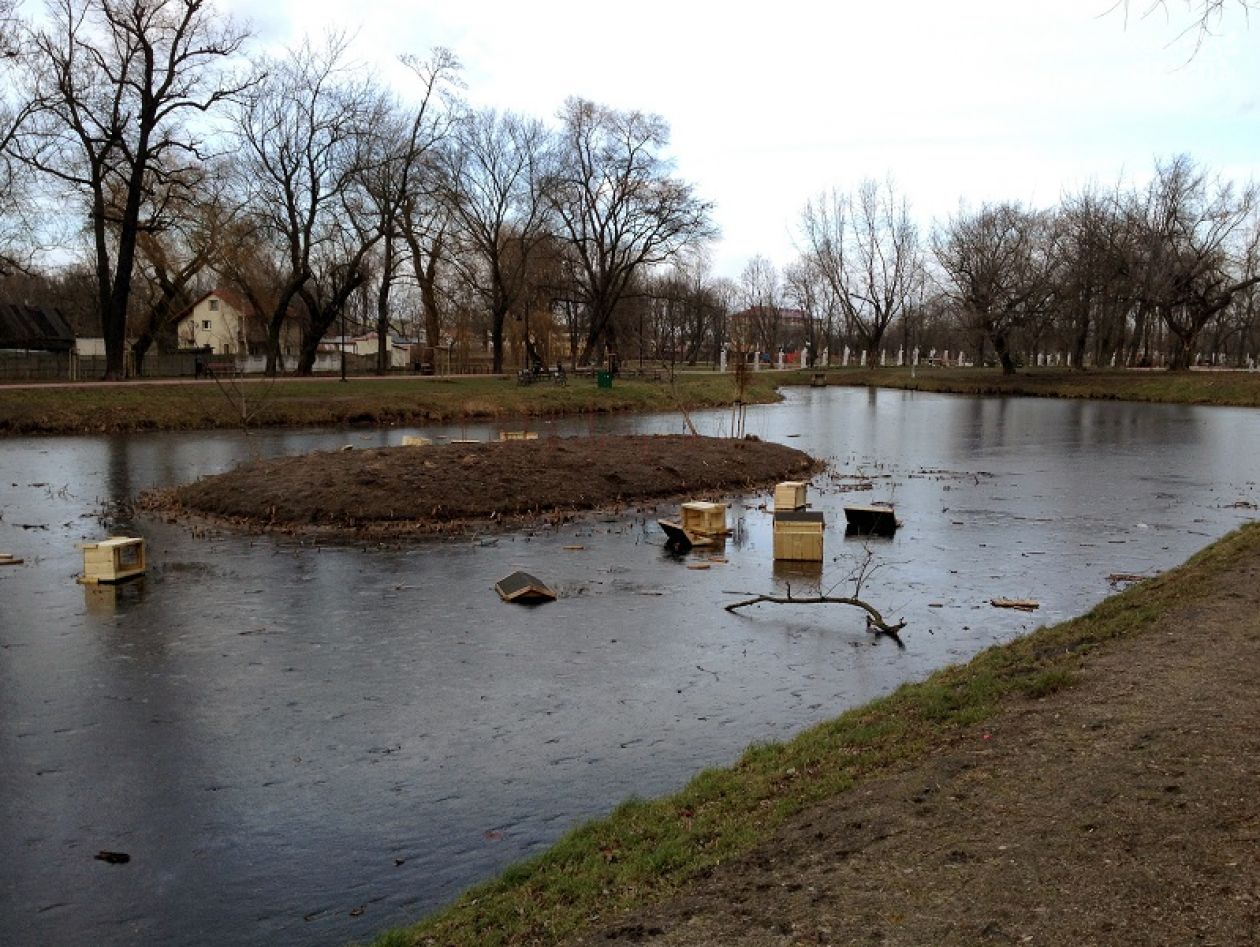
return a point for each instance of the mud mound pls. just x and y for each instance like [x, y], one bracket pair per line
[432, 488]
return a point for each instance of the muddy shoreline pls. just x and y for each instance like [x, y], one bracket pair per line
[396, 492]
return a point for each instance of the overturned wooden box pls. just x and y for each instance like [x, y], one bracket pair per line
[412, 440]
[790, 495]
[518, 435]
[798, 535]
[524, 589]
[112, 560]
[704, 519]
[871, 519]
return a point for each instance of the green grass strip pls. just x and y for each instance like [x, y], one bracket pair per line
[105, 409]
[646, 850]
[1223, 388]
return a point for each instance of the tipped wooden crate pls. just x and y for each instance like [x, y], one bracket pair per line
[704, 519]
[872, 519]
[524, 589]
[518, 435]
[790, 495]
[112, 560]
[411, 440]
[798, 535]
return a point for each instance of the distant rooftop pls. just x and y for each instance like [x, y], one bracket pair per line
[23, 326]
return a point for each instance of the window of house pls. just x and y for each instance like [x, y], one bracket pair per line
[205, 323]
[214, 305]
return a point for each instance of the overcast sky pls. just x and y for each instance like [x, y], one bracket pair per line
[771, 103]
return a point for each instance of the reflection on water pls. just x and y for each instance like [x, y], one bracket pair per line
[304, 744]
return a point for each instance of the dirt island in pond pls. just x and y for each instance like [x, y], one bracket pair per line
[401, 490]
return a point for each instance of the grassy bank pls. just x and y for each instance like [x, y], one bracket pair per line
[106, 409]
[647, 850]
[101, 409]
[1238, 389]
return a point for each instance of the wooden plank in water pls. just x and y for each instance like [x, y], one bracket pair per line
[1023, 604]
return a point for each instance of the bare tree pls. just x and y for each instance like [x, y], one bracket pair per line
[408, 142]
[700, 308]
[495, 175]
[1201, 20]
[301, 135]
[16, 230]
[619, 206]
[761, 298]
[996, 269]
[866, 247]
[1193, 249]
[1089, 266]
[116, 86]
[183, 239]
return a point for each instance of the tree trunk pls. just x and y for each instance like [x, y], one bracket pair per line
[139, 349]
[1003, 354]
[382, 302]
[496, 341]
[1182, 351]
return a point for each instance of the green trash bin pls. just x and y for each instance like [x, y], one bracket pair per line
[603, 379]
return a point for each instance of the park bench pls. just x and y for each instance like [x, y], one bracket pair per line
[528, 376]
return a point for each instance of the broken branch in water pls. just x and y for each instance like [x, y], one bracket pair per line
[874, 620]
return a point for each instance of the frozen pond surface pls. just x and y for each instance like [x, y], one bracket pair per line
[304, 745]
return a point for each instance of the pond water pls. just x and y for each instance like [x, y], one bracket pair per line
[300, 744]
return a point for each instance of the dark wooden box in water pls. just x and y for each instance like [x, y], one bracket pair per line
[873, 520]
[524, 589]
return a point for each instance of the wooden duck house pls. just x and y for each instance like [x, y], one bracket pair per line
[704, 519]
[790, 495]
[112, 560]
[798, 535]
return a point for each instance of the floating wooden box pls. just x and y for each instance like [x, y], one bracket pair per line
[704, 519]
[411, 440]
[112, 560]
[790, 495]
[873, 519]
[518, 435]
[798, 535]
[524, 589]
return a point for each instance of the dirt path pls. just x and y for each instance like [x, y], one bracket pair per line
[1124, 810]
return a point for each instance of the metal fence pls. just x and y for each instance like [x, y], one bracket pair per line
[18, 365]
